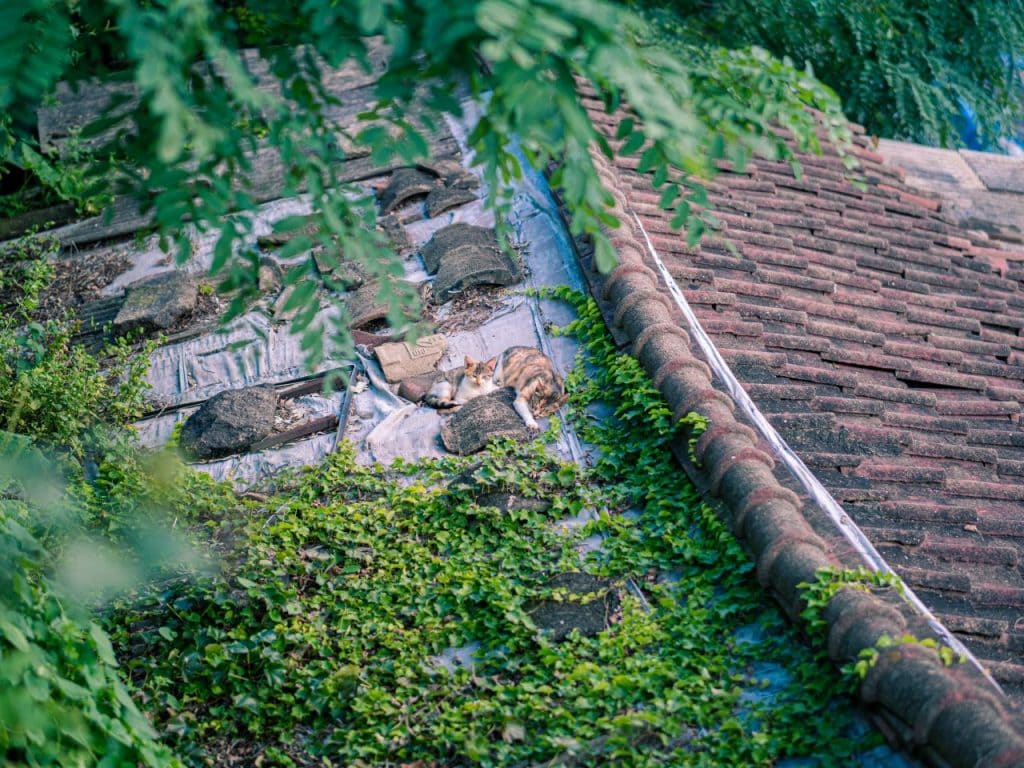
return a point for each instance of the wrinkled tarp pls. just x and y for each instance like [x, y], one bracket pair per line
[256, 350]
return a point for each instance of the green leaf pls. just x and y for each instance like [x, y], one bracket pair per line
[668, 197]
[301, 295]
[633, 143]
[14, 635]
[103, 647]
[694, 232]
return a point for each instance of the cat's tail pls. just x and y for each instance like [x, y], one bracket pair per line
[440, 403]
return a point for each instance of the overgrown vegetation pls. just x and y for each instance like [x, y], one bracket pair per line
[51, 389]
[313, 627]
[902, 68]
[62, 700]
[322, 633]
[818, 594]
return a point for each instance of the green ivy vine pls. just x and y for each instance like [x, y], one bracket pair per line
[318, 638]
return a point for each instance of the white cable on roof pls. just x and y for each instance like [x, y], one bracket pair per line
[811, 485]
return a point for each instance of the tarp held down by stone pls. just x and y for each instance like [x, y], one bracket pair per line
[463, 255]
[157, 303]
[229, 422]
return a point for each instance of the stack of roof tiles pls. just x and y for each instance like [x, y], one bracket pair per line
[884, 343]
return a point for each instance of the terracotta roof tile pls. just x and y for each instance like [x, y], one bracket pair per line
[943, 377]
[967, 345]
[921, 352]
[844, 332]
[748, 288]
[867, 359]
[869, 301]
[977, 407]
[848, 405]
[895, 394]
[947, 449]
[929, 511]
[776, 314]
[884, 344]
[814, 307]
[931, 579]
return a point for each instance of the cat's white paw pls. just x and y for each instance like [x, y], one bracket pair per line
[532, 424]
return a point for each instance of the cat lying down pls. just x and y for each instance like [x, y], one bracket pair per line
[538, 387]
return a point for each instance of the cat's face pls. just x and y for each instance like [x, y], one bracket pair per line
[479, 373]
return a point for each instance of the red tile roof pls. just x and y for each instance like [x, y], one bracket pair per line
[883, 342]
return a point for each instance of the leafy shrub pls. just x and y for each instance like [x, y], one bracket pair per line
[50, 388]
[62, 702]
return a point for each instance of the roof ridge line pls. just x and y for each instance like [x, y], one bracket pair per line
[769, 518]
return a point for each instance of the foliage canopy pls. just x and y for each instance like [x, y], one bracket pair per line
[189, 110]
[901, 67]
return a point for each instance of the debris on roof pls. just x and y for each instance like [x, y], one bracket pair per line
[585, 603]
[229, 422]
[401, 360]
[157, 303]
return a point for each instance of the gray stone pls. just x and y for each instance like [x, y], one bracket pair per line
[454, 237]
[587, 606]
[480, 420]
[157, 303]
[444, 199]
[405, 184]
[229, 422]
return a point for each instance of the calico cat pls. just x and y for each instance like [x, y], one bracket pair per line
[538, 387]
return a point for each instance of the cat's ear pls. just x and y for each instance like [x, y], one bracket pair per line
[490, 364]
[469, 362]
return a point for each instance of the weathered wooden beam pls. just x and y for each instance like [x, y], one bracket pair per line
[307, 428]
[75, 106]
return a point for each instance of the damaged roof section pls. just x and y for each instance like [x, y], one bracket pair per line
[978, 190]
[245, 390]
[882, 340]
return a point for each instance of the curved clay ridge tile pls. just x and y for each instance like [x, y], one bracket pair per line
[952, 715]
